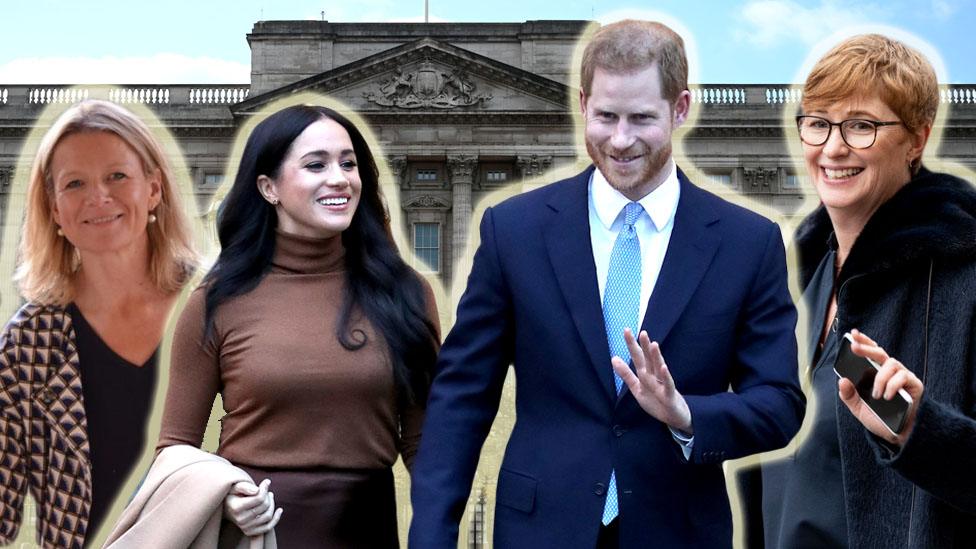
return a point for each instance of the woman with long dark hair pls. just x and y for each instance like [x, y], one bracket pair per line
[318, 336]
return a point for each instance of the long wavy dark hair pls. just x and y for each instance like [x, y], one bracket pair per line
[380, 284]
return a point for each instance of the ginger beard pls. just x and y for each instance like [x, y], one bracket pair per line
[647, 165]
[628, 127]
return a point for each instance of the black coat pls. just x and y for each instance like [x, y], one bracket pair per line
[910, 284]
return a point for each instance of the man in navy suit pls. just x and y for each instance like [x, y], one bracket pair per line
[608, 453]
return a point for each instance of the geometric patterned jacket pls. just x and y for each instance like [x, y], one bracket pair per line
[43, 431]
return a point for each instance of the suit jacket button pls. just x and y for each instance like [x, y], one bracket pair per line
[599, 488]
[47, 396]
[618, 431]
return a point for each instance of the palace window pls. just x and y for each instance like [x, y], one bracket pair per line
[426, 175]
[793, 181]
[723, 179]
[427, 246]
[496, 176]
[213, 180]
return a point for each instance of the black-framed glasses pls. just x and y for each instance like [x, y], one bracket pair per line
[858, 133]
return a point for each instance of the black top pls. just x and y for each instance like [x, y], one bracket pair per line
[803, 495]
[117, 398]
[910, 283]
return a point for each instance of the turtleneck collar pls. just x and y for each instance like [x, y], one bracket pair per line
[305, 255]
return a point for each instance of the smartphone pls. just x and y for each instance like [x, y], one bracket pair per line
[861, 371]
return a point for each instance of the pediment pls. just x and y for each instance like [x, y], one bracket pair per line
[427, 202]
[429, 76]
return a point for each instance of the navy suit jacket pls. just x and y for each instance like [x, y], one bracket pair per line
[723, 316]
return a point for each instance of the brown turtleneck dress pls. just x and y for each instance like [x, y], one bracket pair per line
[319, 420]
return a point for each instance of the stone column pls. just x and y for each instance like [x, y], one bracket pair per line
[398, 165]
[6, 178]
[759, 180]
[6, 187]
[197, 178]
[461, 168]
[532, 165]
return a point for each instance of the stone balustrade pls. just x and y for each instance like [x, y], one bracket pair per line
[712, 95]
[220, 96]
[783, 94]
[152, 96]
[952, 94]
[48, 95]
[174, 95]
[958, 95]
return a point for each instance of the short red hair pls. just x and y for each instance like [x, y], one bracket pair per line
[875, 65]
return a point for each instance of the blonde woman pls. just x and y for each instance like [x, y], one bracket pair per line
[105, 250]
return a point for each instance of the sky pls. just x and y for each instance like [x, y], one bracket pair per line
[203, 41]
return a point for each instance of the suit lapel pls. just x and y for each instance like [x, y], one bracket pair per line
[694, 241]
[567, 237]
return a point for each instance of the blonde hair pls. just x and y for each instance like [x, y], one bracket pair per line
[873, 64]
[631, 45]
[47, 261]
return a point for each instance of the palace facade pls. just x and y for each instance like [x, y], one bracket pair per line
[460, 110]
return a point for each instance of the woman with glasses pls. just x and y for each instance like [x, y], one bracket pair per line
[889, 256]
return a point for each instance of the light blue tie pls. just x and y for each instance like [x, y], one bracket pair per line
[621, 308]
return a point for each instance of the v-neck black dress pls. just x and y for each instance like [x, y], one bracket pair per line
[118, 399]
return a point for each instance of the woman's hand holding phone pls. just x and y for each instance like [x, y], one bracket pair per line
[892, 376]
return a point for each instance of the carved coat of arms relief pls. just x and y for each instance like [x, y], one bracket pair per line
[427, 87]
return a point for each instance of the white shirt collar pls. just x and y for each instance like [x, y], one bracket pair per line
[660, 204]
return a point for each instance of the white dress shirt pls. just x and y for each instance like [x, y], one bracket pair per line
[653, 230]
[654, 227]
